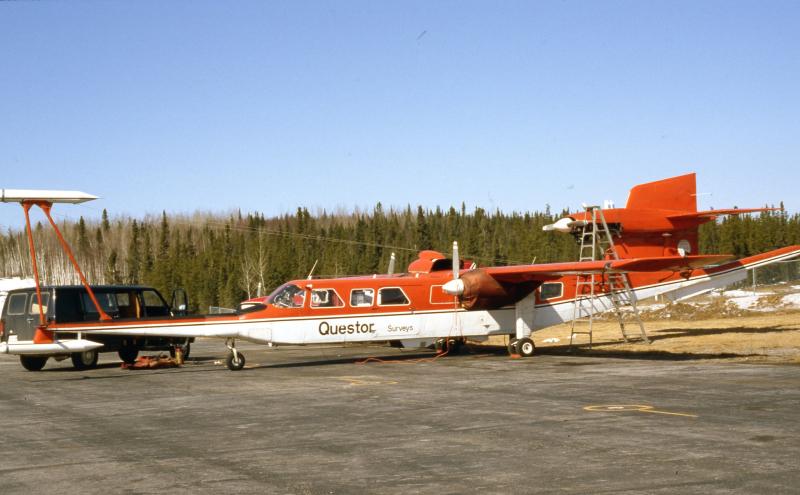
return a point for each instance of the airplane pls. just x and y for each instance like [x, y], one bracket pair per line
[440, 301]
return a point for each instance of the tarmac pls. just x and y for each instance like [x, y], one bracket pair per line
[322, 421]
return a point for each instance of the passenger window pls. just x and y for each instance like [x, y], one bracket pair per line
[551, 290]
[361, 297]
[16, 304]
[154, 305]
[325, 298]
[392, 296]
[34, 309]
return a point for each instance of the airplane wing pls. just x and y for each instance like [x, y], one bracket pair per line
[546, 271]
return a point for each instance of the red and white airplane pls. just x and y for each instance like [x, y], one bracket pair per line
[440, 299]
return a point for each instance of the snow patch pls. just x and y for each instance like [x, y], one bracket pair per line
[743, 293]
[792, 300]
[7, 284]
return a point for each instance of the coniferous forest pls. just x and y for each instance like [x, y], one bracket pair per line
[223, 259]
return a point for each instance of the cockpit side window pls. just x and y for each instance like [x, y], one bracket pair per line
[288, 296]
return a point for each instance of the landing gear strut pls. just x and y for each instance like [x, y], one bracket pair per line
[235, 360]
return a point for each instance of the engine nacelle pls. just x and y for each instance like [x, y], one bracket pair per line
[478, 290]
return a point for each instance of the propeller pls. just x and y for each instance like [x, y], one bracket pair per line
[454, 287]
[391, 264]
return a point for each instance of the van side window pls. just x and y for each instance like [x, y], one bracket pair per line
[129, 306]
[325, 298]
[68, 306]
[551, 290]
[361, 297]
[392, 296]
[34, 307]
[107, 301]
[16, 304]
[153, 304]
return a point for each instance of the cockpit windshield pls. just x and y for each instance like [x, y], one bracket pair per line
[288, 296]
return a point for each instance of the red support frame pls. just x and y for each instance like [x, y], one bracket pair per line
[42, 334]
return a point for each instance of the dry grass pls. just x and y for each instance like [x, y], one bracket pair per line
[769, 338]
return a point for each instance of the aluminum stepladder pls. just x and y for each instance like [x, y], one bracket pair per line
[591, 289]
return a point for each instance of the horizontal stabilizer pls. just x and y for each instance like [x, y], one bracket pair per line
[716, 213]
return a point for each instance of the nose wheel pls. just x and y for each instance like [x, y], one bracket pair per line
[235, 359]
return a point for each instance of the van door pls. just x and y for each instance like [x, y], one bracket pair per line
[16, 317]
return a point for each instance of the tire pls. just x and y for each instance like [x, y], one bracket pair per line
[128, 353]
[512, 347]
[33, 363]
[235, 365]
[85, 360]
[454, 346]
[185, 350]
[440, 346]
[526, 347]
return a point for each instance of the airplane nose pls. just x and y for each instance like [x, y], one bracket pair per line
[454, 287]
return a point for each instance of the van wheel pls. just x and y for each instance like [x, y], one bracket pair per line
[33, 363]
[128, 353]
[85, 360]
[185, 349]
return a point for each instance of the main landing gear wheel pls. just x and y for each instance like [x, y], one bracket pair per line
[235, 361]
[512, 347]
[454, 346]
[33, 363]
[525, 347]
[128, 353]
[85, 360]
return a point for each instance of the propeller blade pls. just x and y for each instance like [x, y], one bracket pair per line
[391, 264]
[454, 287]
[456, 261]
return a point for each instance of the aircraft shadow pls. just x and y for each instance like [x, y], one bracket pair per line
[598, 350]
[671, 333]
[392, 358]
[656, 355]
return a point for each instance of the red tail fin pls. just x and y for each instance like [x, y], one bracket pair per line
[675, 193]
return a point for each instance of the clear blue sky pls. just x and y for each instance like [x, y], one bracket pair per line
[265, 106]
